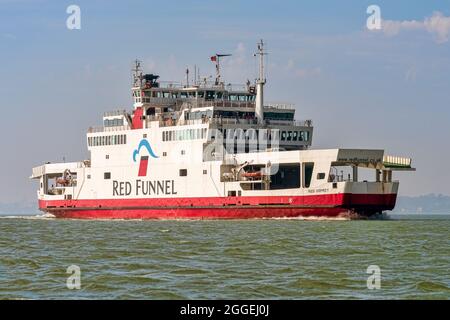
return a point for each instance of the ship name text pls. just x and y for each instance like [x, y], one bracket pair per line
[144, 188]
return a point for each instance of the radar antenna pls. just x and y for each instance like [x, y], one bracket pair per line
[216, 60]
[137, 73]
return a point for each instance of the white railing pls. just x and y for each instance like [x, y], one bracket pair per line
[280, 106]
[108, 129]
[114, 113]
[397, 161]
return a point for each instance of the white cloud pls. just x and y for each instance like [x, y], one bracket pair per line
[299, 72]
[307, 73]
[438, 25]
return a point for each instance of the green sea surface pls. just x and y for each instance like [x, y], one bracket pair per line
[236, 259]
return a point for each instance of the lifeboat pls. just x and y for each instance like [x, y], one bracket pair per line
[254, 174]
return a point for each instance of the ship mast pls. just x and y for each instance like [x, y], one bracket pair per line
[260, 82]
[216, 60]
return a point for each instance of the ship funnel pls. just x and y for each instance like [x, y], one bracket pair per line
[260, 82]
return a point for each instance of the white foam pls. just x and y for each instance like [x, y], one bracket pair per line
[29, 217]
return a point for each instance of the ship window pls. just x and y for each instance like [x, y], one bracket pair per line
[205, 171]
[164, 154]
[210, 95]
[286, 177]
[289, 136]
[183, 152]
[107, 175]
[88, 176]
[304, 135]
[283, 136]
[321, 176]
[107, 157]
[308, 168]
[144, 135]
[232, 193]
[183, 172]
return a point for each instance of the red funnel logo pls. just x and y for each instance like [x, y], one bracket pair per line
[143, 166]
[144, 159]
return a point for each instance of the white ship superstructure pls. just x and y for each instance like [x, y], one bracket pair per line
[211, 150]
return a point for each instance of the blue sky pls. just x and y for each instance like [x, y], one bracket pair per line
[385, 89]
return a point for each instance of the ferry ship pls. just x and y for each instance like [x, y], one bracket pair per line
[210, 150]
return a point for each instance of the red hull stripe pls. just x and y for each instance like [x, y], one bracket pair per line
[221, 207]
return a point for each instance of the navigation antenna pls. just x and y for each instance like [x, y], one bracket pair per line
[216, 60]
[137, 74]
[260, 82]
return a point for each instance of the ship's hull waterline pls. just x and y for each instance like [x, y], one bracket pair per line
[330, 206]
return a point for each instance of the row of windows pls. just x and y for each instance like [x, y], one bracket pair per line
[185, 134]
[273, 134]
[208, 95]
[107, 140]
[113, 122]
[294, 135]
